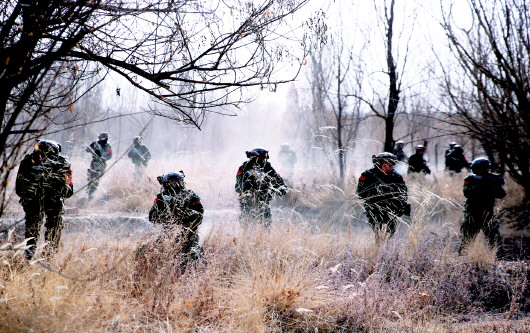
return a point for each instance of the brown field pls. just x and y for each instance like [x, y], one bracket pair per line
[317, 270]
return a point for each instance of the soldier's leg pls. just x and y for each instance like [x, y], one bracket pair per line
[54, 209]
[93, 182]
[469, 229]
[375, 221]
[491, 231]
[34, 215]
[266, 215]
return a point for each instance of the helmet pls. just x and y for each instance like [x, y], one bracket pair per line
[172, 180]
[400, 143]
[284, 146]
[458, 148]
[257, 152]
[452, 144]
[49, 147]
[137, 140]
[480, 163]
[420, 148]
[383, 158]
[103, 136]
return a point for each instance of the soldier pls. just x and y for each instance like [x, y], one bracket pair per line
[287, 159]
[384, 193]
[44, 180]
[178, 208]
[481, 188]
[455, 160]
[398, 151]
[101, 152]
[257, 182]
[417, 162]
[140, 156]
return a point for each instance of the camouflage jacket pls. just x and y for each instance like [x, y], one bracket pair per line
[380, 190]
[100, 152]
[139, 154]
[259, 183]
[418, 164]
[50, 176]
[287, 157]
[481, 191]
[182, 208]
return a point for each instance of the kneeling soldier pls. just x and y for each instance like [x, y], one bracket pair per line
[384, 193]
[178, 208]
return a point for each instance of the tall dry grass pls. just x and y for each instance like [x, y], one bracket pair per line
[315, 271]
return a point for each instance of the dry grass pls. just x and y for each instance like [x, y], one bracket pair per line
[319, 270]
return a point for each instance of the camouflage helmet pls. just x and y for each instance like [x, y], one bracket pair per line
[480, 163]
[103, 136]
[257, 152]
[383, 158]
[49, 147]
[172, 180]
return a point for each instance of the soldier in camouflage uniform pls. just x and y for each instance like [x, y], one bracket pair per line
[140, 156]
[417, 162]
[257, 182]
[398, 151]
[43, 181]
[101, 152]
[481, 188]
[178, 208]
[384, 193]
[287, 159]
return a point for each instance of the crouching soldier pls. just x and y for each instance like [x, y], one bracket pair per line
[44, 180]
[481, 188]
[180, 211]
[257, 183]
[384, 193]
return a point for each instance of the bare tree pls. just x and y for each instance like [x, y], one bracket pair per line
[192, 57]
[491, 98]
[386, 106]
[334, 79]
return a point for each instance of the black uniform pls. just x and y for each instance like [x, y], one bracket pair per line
[385, 199]
[256, 185]
[417, 163]
[481, 192]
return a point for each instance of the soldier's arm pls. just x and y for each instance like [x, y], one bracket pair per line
[365, 186]
[108, 152]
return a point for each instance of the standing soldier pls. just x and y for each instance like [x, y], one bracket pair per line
[448, 152]
[384, 193]
[481, 188]
[101, 152]
[43, 181]
[417, 162]
[140, 156]
[398, 151]
[257, 182]
[287, 159]
[178, 209]
[455, 160]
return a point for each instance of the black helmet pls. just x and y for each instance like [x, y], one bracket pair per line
[137, 140]
[257, 152]
[49, 147]
[480, 163]
[452, 144]
[172, 180]
[400, 143]
[458, 148]
[420, 148]
[103, 136]
[383, 158]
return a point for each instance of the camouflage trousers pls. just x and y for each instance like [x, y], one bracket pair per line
[382, 220]
[476, 220]
[252, 212]
[36, 210]
[93, 176]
